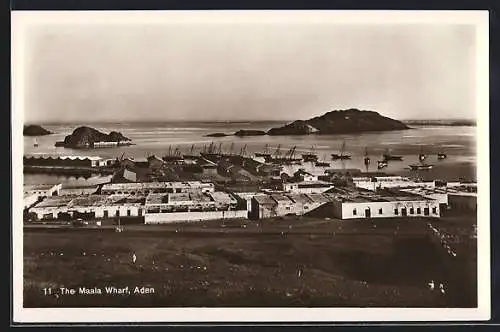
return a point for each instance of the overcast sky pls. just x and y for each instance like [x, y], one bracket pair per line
[247, 71]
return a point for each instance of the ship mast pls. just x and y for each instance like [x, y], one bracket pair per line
[367, 160]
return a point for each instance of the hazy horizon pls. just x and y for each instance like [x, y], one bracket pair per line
[208, 72]
[87, 122]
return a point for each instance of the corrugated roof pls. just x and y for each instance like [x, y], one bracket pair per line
[95, 158]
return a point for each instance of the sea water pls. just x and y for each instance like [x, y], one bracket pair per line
[458, 142]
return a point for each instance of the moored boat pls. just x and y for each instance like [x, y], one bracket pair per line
[310, 156]
[415, 167]
[341, 155]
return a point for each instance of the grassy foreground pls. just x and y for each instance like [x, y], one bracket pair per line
[290, 262]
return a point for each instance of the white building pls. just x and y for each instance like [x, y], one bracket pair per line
[67, 161]
[439, 194]
[307, 187]
[191, 206]
[105, 144]
[389, 181]
[92, 206]
[144, 188]
[43, 190]
[355, 204]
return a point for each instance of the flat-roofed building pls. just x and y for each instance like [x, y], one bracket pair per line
[73, 191]
[191, 206]
[355, 203]
[307, 187]
[92, 206]
[380, 181]
[440, 194]
[144, 188]
[346, 203]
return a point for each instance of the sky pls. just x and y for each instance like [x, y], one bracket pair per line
[246, 71]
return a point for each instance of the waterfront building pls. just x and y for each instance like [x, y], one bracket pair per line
[307, 187]
[67, 161]
[191, 206]
[144, 188]
[389, 181]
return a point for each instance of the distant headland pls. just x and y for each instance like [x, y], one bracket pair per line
[331, 123]
[90, 138]
[35, 130]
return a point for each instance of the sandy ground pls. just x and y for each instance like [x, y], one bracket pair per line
[285, 262]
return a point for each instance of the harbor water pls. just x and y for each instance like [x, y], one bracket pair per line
[457, 142]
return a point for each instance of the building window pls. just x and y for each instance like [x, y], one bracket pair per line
[419, 211]
[128, 213]
[288, 208]
[354, 212]
[117, 213]
[412, 211]
[306, 207]
[105, 213]
[379, 211]
[434, 210]
[396, 211]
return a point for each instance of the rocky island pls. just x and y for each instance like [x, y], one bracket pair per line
[239, 133]
[217, 135]
[90, 138]
[244, 132]
[35, 130]
[340, 122]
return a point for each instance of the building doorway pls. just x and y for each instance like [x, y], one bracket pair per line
[403, 212]
[368, 213]
[426, 211]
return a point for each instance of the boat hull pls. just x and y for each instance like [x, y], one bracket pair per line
[392, 158]
[420, 167]
[340, 157]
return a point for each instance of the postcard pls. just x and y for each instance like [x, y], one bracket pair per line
[250, 166]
